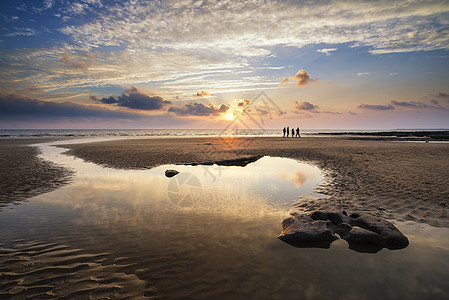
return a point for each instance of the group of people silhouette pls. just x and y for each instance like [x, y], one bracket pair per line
[286, 132]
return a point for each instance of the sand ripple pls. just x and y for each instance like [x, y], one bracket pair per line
[54, 271]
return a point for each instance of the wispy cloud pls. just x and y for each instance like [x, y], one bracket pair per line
[377, 24]
[327, 51]
[376, 107]
[361, 74]
[434, 104]
[442, 95]
[129, 42]
[411, 104]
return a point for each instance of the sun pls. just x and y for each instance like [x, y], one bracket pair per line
[230, 116]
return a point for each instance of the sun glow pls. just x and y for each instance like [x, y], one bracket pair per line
[229, 116]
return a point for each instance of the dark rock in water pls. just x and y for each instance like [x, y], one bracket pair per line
[302, 228]
[240, 162]
[363, 232]
[171, 173]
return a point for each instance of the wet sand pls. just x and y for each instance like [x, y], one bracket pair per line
[397, 180]
[99, 238]
[23, 174]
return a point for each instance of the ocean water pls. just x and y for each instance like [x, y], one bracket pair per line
[23, 133]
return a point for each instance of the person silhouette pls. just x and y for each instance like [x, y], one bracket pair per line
[297, 132]
[288, 130]
[293, 132]
[283, 130]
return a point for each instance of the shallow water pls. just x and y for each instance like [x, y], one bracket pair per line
[208, 232]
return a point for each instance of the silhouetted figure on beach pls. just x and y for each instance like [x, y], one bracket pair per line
[288, 130]
[297, 132]
[293, 132]
[283, 130]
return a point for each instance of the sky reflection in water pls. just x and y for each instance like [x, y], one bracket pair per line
[224, 243]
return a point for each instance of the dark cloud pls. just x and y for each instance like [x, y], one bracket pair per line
[433, 101]
[434, 104]
[243, 103]
[443, 95]
[411, 104]
[110, 100]
[133, 98]
[203, 94]
[262, 111]
[13, 107]
[376, 107]
[307, 106]
[199, 109]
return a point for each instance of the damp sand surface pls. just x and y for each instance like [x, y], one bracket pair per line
[399, 180]
[120, 232]
[23, 174]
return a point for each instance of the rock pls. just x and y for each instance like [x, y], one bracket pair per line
[392, 238]
[171, 173]
[240, 162]
[303, 229]
[363, 232]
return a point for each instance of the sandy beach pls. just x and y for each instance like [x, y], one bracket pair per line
[397, 180]
[23, 174]
[116, 233]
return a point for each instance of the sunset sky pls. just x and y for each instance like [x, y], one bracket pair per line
[204, 64]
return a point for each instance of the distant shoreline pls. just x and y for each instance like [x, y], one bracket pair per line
[416, 135]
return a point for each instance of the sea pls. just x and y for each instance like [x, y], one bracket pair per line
[25, 133]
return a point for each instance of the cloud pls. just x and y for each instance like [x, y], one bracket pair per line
[302, 77]
[327, 51]
[193, 41]
[133, 98]
[243, 103]
[285, 80]
[376, 107]
[262, 111]
[199, 109]
[442, 95]
[13, 107]
[418, 105]
[411, 104]
[433, 101]
[73, 63]
[306, 106]
[203, 94]
[404, 26]
[363, 74]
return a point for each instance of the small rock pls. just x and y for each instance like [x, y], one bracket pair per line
[171, 173]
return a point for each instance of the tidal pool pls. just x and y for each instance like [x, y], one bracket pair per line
[209, 232]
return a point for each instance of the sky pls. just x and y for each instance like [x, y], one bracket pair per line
[214, 64]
